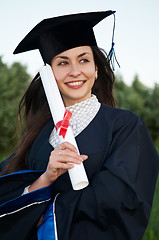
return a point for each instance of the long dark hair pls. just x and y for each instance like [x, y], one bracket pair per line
[103, 87]
[34, 111]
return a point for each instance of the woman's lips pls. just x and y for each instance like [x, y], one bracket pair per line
[75, 84]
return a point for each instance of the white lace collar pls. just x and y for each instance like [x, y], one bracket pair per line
[82, 114]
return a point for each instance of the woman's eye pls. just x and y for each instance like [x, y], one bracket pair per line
[84, 60]
[62, 63]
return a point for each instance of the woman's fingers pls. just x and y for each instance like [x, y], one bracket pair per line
[67, 161]
[70, 154]
[65, 166]
[84, 157]
[66, 145]
[63, 158]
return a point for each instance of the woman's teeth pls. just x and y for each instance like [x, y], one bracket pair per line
[75, 83]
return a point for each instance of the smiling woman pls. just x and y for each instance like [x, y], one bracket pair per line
[36, 196]
[75, 73]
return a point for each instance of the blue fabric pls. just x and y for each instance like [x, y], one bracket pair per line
[46, 231]
[21, 172]
[40, 195]
[19, 214]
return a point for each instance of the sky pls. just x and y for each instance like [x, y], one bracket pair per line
[136, 33]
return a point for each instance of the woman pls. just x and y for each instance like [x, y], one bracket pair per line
[119, 157]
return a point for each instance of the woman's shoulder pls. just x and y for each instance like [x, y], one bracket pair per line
[113, 111]
[118, 116]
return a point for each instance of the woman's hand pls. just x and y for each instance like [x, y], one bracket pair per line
[61, 159]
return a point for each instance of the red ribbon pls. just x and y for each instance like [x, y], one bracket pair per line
[64, 124]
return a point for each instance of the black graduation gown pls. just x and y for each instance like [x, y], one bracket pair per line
[122, 168]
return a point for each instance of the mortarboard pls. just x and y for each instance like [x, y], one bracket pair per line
[55, 35]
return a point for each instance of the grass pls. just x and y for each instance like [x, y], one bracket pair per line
[152, 232]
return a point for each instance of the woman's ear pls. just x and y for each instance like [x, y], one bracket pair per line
[96, 72]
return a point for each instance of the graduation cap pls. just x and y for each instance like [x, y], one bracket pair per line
[55, 35]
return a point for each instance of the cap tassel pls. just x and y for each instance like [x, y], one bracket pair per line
[111, 56]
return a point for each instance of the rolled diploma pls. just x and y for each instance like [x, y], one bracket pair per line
[77, 174]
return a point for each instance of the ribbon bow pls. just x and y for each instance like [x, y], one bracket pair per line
[64, 124]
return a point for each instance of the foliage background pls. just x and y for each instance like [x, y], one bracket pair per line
[138, 98]
[145, 102]
[13, 82]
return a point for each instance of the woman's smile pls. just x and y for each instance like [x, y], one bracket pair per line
[75, 84]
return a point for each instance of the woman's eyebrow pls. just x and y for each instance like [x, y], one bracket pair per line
[82, 54]
[63, 57]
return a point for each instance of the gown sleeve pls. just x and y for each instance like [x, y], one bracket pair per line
[117, 203]
[19, 214]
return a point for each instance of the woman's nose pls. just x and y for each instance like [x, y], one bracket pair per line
[74, 70]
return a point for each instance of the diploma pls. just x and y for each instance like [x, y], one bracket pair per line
[60, 115]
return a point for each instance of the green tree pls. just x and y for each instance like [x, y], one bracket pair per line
[13, 82]
[141, 100]
[139, 88]
[151, 113]
[129, 97]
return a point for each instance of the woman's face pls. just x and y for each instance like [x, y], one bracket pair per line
[75, 73]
